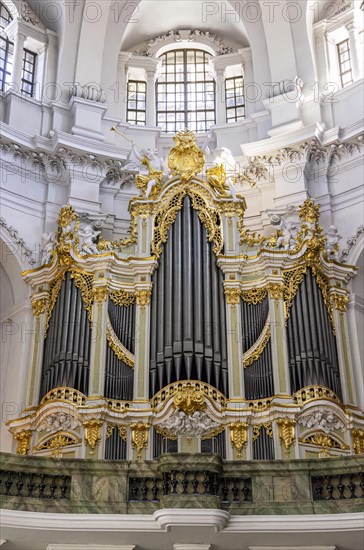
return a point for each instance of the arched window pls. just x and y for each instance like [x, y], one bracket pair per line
[6, 48]
[185, 92]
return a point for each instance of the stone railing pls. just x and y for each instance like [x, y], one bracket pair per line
[332, 485]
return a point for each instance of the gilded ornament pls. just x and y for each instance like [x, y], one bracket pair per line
[185, 159]
[286, 431]
[23, 438]
[340, 302]
[309, 212]
[358, 441]
[93, 433]
[57, 443]
[84, 281]
[120, 351]
[253, 354]
[123, 433]
[257, 429]
[313, 393]
[122, 298]
[216, 178]
[189, 400]
[232, 295]
[39, 306]
[251, 238]
[54, 290]
[109, 430]
[254, 295]
[326, 442]
[276, 291]
[292, 279]
[139, 436]
[142, 180]
[143, 297]
[100, 293]
[172, 203]
[238, 436]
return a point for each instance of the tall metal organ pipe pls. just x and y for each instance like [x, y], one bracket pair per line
[119, 377]
[188, 317]
[312, 347]
[65, 361]
[258, 377]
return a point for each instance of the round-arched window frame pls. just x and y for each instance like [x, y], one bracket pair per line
[185, 91]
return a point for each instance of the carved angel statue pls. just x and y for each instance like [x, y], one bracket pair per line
[332, 242]
[194, 425]
[322, 420]
[287, 235]
[47, 248]
[88, 237]
[150, 183]
[224, 169]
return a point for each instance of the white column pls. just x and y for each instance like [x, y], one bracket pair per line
[355, 65]
[220, 97]
[248, 75]
[151, 99]
[17, 70]
[50, 72]
[123, 59]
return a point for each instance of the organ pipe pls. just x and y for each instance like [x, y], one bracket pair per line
[258, 377]
[312, 348]
[188, 324]
[67, 345]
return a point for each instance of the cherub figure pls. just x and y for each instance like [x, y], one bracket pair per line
[89, 236]
[332, 242]
[287, 235]
[151, 182]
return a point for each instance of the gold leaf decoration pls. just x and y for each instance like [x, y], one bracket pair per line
[23, 438]
[139, 436]
[238, 436]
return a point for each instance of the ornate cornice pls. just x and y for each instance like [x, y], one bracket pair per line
[150, 48]
[28, 253]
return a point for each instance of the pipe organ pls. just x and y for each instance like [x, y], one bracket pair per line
[192, 334]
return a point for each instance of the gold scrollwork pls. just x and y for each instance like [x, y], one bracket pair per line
[143, 297]
[292, 279]
[120, 351]
[252, 238]
[139, 436]
[189, 400]
[358, 441]
[257, 349]
[54, 289]
[100, 293]
[123, 431]
[340, 302]
[57, 443]
[93, 433]
[238, 436]
[286, 431]
[276, 291]
[254, 295]
[83, 281]
[23, 438]
[185, 160]
[39, 306]
[122, 298]
[168, 210]
[232, 296]
[325, 441]
[257, 429]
